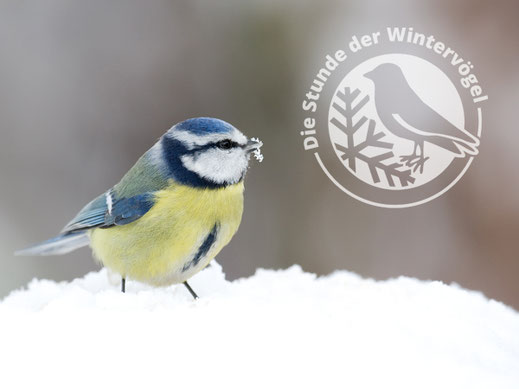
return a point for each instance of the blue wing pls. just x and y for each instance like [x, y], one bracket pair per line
[107, 211]
[104, 211]
[129, 200]
[127, 210]
[92, 215]
[125, 203]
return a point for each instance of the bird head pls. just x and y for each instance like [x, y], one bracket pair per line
[208, 152]
[385, 72]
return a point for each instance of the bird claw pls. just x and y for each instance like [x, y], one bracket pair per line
[415, 162]
[409, 160]
[420, 164]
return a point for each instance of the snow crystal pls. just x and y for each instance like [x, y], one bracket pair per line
[257, 152]
[280, 329]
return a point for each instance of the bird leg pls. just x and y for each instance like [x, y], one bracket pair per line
[123, 285]
[190, 290]
[419, 164]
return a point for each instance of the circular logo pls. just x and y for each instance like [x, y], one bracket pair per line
[402, 129]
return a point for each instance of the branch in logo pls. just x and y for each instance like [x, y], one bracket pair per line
[353, 152]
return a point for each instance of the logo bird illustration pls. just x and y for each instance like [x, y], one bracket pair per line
[407, 116]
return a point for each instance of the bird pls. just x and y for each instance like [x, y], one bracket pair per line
[407, 116]
[172, 212]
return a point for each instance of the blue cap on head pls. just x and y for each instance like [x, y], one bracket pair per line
[203, 126]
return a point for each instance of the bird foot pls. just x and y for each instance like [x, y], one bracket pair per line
[415, 162]
[409, 160]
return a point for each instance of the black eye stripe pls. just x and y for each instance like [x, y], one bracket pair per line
[209, 146]
[226, 144]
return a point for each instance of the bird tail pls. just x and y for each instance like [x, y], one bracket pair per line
[466, 143]
[467, 147]
[458, 146]
[61, 244]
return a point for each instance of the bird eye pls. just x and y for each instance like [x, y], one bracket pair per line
[225, 144]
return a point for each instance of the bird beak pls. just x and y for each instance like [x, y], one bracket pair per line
[252, 145]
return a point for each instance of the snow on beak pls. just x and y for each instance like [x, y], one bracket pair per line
[253, 146]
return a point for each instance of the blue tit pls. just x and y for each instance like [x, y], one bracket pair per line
[174, 210]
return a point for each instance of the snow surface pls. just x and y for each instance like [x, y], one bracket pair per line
[276, 329]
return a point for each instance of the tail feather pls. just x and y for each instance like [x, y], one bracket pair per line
[61, 244]
[455, 145]
[469, 148]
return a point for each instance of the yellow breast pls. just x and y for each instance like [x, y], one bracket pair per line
[176, 238]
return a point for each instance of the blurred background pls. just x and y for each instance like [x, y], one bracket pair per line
[88, 86]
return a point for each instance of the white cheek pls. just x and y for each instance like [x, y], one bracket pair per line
[219, 166]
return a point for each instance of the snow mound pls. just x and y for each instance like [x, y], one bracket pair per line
[280, 329]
